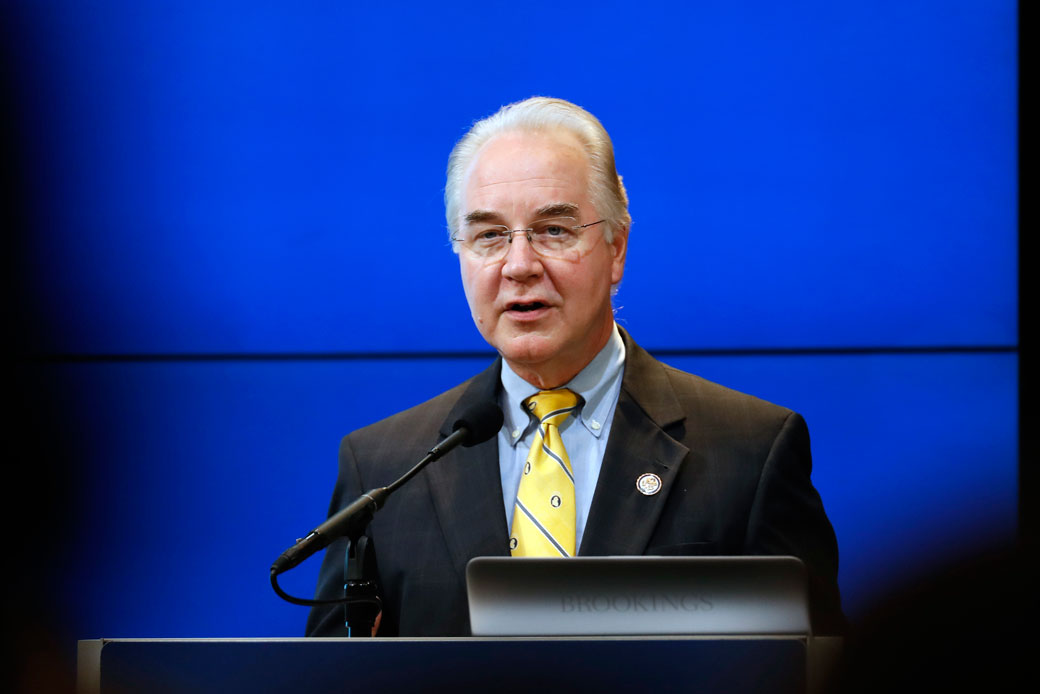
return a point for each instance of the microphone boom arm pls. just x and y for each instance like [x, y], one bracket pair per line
[478, 424]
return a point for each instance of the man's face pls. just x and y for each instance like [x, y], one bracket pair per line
[547, 317]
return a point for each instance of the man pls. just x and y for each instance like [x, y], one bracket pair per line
[604, 450]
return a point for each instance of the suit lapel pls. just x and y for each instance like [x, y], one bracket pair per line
[466, 485]
[622, 519]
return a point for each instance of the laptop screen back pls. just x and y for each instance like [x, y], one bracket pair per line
[637, 595]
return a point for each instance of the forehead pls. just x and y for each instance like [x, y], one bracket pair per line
[519, 171]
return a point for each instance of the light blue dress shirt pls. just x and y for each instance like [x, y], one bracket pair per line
[585, 432]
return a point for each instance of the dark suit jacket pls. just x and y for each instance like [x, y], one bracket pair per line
[735, 473]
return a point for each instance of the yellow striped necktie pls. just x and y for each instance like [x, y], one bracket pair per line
[544, 519]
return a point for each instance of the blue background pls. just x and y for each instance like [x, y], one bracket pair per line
[232, 251]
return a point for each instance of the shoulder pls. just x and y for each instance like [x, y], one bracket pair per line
[670, 394]
[433, 410]
[697, 392]
[423, 424]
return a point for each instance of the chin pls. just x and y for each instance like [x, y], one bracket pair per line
[528, 349]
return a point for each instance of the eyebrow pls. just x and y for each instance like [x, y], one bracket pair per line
[555, 209]
[481, 216]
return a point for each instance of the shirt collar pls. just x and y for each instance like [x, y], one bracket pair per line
[595, 383]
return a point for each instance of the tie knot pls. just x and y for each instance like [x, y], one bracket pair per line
[551, 402]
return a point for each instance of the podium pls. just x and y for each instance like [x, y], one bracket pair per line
[709, 665]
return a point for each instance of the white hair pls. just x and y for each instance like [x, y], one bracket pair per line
[543, 114]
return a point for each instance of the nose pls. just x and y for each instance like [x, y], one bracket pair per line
[521, 262]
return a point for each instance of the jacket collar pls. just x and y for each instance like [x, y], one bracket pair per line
[465, 485]
[622, 518]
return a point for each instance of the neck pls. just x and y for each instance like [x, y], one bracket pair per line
[558, 371]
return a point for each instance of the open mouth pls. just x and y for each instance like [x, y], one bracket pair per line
[524, 308]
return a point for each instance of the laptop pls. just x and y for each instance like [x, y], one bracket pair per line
[585, 596]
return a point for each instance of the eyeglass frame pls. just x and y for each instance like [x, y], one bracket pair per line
[507, 232]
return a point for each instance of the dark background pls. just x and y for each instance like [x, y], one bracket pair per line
[227, 249]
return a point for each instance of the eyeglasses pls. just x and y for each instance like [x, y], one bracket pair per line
[558, 237]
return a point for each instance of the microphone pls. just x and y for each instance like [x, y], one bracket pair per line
[478, 423]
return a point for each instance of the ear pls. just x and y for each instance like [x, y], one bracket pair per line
[619, 247]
